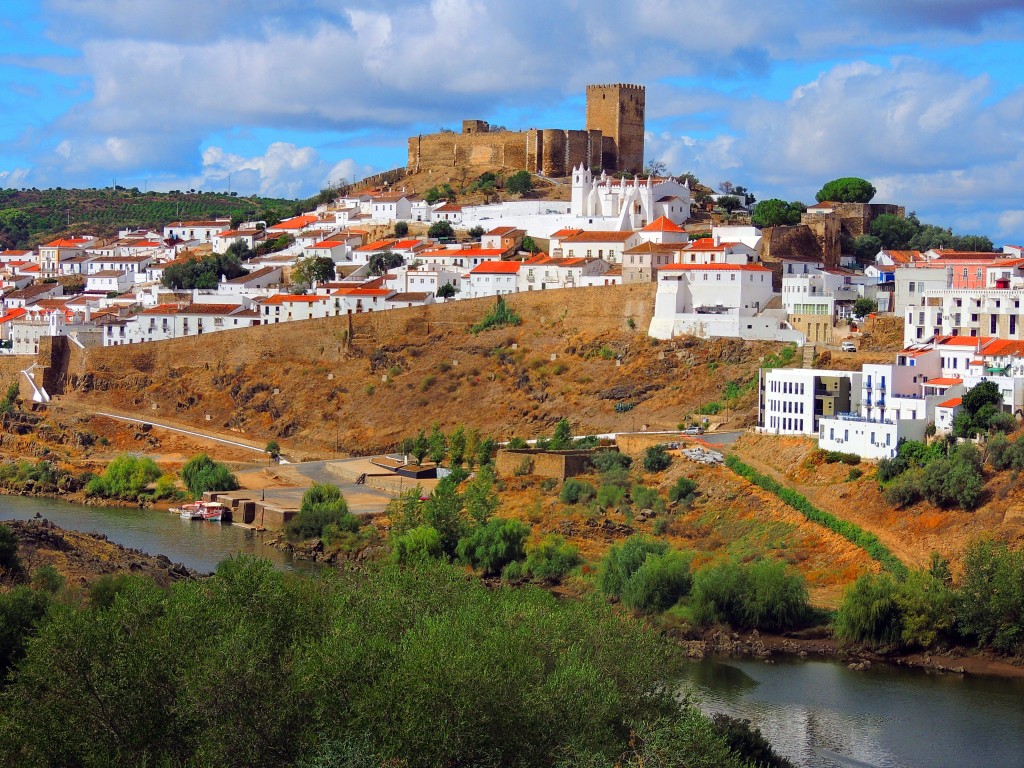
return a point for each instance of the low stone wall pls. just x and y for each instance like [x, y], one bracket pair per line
[635, 443]
[533, 461]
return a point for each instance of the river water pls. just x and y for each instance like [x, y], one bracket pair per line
[195, 543]
[817, 713]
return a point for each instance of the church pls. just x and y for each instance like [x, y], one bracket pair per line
[631, 203]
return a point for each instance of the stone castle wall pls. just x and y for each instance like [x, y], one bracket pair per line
[613, 140]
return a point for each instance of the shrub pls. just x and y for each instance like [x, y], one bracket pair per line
[905, 490]
[610, 496]
[494, 544]
[10, 563]
[684, 490]
[322, 505]
[126, 477]
[748, 743]
[551, 558]
[657, 459]
[838, 457]
[21, 611]
[764, 595]
[607, 460]
[647, 498]
[499, 315]
[416, 545]
[855, 473]
[660, 526]
[623, 560]
[658, 583]
[870, 613]
[201, 474]
[106, 588]
[990, 601]
[46, 578]
[576, 491]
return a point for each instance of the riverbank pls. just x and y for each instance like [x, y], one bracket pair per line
[821, 645]
[81, 558]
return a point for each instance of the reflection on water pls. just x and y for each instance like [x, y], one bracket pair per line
[199, 545]
[820, 713]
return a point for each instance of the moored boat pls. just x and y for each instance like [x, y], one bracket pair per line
[200, 510]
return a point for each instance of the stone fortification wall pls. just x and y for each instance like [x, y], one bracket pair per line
[826, 229]
[593, 308]
[857, 217]
[503, 149]
[796, 240]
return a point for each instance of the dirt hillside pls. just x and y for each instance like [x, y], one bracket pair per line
[318, 387]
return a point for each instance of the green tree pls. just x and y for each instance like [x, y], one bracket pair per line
[729, 203]
[315, 269]
[10, 564]
[417, 545]
[485, 451]
[894, 232]
[380, 263]
[870, 613]
[273, 449]
[849, 189]
[419, 447]
[529, 245]
[443, 512]
[457, 446]
[551, 558]
[657, 459]
[126, 477]
[201, 474]
[437, 444]
[562, 439]
[576, 491]
[476, 232]
[441, 230]
[658, 583]
[21, 611]
[519, 183]
[10, 401]
[774, 212]
[866, 248]
[683, 490]
[322, 505]
[493, 545]
[863, 307]
[447, 291]
[401, 228]
[480, 498]
[623, 560]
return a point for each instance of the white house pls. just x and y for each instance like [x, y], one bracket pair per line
[108, 281]
[794, 400]
[494, 278]
[607, 245]
[711, 250]
[544, 273]
[632, 204]
[664, 230]
[393, 206]
[285, 307]
[450, 212]
[221, 241]
[709, 300]
[203, 231]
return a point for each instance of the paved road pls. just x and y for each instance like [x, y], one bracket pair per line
[361, 499]
[722, 438]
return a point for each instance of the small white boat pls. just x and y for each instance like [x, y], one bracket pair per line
[200, 510]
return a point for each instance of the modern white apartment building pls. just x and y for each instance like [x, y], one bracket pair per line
[794, 400]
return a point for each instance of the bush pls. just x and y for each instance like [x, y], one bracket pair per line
[201, 474]
[763, 595]
[610, 496]
[990, 600]
[855, 473]
[10, 563]
[647, 498]
[870, 613]
[658, 583]
[604, 461]
[322, 505]
[576, 491]
[46, 578]
[551, 558]
[417, 545]
[683, 490]
[126, 477]
[493, 545]
[748, 743]
[499, 315]
[623, 560]
[657, 459]
[838, 457]
[21, 611]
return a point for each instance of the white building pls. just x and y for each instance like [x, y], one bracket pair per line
[632, 204]
[607, 245]
[494, 278]
[794, 400]
[203, 231]
[709, 300]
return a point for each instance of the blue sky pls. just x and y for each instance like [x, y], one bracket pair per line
[923, 97]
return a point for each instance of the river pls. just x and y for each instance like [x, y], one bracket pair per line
[821, 714]
[817, 713]
[198, 545]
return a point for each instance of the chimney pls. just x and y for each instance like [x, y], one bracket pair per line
[716, 239]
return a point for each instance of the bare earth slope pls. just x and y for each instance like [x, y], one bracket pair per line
[318, 387]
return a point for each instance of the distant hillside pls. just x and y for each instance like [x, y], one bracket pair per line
[32, 216]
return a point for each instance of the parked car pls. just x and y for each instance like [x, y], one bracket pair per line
[693, 431]
[848, 346]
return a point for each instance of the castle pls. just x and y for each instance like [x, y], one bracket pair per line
[613, 140]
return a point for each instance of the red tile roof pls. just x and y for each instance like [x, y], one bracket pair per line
[944, 382]
[708, 244]
[951, 403]
[296, 222]
[662, 224]
[598, 237]
[290, 298]
[497, 268]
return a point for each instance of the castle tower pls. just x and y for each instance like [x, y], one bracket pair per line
[618, 112]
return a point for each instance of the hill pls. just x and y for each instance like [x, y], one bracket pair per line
[29, 217]
[326, 386]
